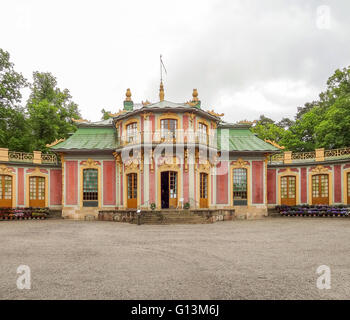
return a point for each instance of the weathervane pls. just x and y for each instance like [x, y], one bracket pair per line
[161, 69]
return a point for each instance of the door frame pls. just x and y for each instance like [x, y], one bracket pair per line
[5, 170]
[208, 188]
[295, 191]
[125, 186]
[317, 171]
[345, 185]
[38, 173]
[240, 164]
[174, 168]
[90, 164]
[137, 189]
[289, 172]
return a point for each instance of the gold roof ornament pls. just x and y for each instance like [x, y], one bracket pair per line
[161, 92]
[195, 95]
[274, 143]
[213, 113]
[247, 122]
[120, 112]
[79, 120]
[128, 95]
[57, 141]
[145, 103]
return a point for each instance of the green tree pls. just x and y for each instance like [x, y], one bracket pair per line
[105, 114]
[13, 123]
[266, 128]
[50, 110]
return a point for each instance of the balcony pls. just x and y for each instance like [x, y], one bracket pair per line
[170, 137]
[23, 157]
[289, 157]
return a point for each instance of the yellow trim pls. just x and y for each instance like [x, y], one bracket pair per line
[345, 185]
[288, 172]
[89, 164]
[208, 172]
[240, 164]
[203, 121]
[165, 168]
[330, 184]
[125, 173]
[6, 171]
[37, 173]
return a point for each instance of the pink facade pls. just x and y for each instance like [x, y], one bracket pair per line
[71, 182]
[109, 190]
[271, 186]
[21, 186]
[222, 183]
[258, 181]
[55, 187]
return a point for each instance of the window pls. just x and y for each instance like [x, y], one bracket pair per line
[90, 186]
[203, 185]
[168, 128]
[240, 186]
[36, 191]
[131, 132]
[202, 133]
[5, 191]
[288, 187]
[173, 185]
[320, 186]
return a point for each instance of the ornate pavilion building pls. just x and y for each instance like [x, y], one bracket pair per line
[169, 156]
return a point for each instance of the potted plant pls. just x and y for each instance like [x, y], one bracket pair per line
[153, 206]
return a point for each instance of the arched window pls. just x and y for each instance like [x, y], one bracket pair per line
[240, 194]
[202, 133]
[5, 191]
[168, 128]
[131, 132]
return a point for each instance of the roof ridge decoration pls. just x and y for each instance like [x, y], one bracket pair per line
[120, 112]
[195, 102]
[57, 141]
[213, 113]
[161, 91]
[274, 143]
[80, 120]
[145, 103]
[247, 122]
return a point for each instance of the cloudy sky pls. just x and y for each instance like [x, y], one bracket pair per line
[246, 58]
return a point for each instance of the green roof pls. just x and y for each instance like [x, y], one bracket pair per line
[240, 138]
[89, 138]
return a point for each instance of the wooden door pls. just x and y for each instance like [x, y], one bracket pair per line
[172, 189]
[348, 188]
[132, 190]
[320, 189]
[37, 192]
[288, 190]
[6, 191]
[203, 190]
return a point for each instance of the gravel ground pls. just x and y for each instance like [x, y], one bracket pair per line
[274, 258]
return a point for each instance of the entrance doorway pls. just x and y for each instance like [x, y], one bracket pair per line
[37, 192]
[5, 191]
[168, 182]
[320, 189]
[203, 190]
[132, 190]
[288, 191]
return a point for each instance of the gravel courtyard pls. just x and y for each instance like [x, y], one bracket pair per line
[274, 258]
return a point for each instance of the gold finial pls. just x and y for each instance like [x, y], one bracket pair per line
[195, 95]
[161, 91]
[213, 113]
[128, 95]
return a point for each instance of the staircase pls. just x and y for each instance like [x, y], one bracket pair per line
[173, 217]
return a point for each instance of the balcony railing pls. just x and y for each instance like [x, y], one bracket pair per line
[35, 157]
[317, 155]
[171, 137]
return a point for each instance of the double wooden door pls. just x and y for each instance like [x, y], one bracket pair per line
[320, 189]
[132, 190]
[203, 190]
[288, 190]
[6, 191]
[37, 192]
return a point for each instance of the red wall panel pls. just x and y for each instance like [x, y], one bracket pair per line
[271, 186]
[222, 183]
[20, 191]
[152, 186]
[55, 187]
[303, 185]
[337, 183]
[71, 182]
[258, 181]
[109, 183]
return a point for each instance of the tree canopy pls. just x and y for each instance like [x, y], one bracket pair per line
[324, 123]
